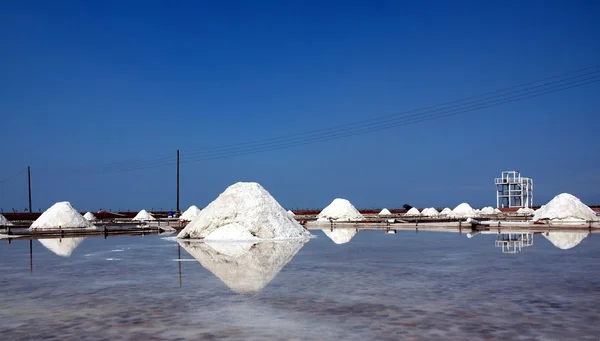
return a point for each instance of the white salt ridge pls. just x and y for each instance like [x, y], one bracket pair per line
[90, 216]
[4, 221]
[385, 211]
[143, 215]
[412, 212]
[463, 210]
[430, 212]
[61, 214]
[565, 207]
[340, 235]
[189, 214]
[487, 210]
[61, 246]
[525, 210]
[565, 240]
[244, 209]
[446, 211]
[340, 210]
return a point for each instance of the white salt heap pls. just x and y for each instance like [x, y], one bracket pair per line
[413, 212]
[244, 209]
[61, 246]
[497, 211]
[565, 207]
[61, 214]
[525, 210]
[487, 210]
[4, 221]
[446, 211]
[143, 215]
[340, 235]
[189, 214]
[385, 211]
[565, 240]
[291, 213]
[463, 210]
[340, 210]
[90, 216]
[430, 212]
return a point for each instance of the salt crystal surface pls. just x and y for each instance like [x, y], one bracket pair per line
[232, 231]
[4, 221]
[525, 210]
[90, 216]
[61, 214]
[385, 211]
[143, 215]
[446, 211]
[189, 214]
[340, 235]
[463, 210]
[413, 212]
[565, 207]
[61, 246]
[565, 240]
[430, 212]
[246, 206]
[487, 210]
[340, 210]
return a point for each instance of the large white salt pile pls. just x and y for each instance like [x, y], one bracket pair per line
[565, 240]
[61, 246]
[340, 235]
[244, 267]
[61, 214]
[565, 207]
[413, 212]
[446, 211]
[430, 212]
[143, 215]
[90, 216]
[340, 210]
[189, 214]
[385, 211]
[4, 221]
[463, 210]
[525, 210]
[487, 210]
[244, 209]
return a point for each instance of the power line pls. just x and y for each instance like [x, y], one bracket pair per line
[13, 176]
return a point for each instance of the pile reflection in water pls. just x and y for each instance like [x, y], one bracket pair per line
[340, 235]
[245, 267]
[565, 240]
[61, 246]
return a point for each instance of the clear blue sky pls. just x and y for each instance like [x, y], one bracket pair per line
[90, 83]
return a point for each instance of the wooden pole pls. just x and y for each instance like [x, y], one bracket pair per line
[177, 180]
[29, 185]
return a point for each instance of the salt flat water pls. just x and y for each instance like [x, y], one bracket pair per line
[404, 286]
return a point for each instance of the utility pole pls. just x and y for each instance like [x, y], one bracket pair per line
[178, 180]
[29, 185]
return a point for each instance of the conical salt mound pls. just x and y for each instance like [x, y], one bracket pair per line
[4, 221]
[62, 215]
[463, 210]
[565, 207]
[385, 211]
[189, 214]
[90, 216]
[340, 210]
[244, 267]
[487, 210]
[565, 240]
[525, 210]
[413, 212]
[61, 246]
[340, 235]
[446, 211]
[143, 215]
[430, 212]
[244, 209]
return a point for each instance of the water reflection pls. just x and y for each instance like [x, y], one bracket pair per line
[340, 235]
[565, 240]
[514, 242]
[245, 267]
[61, 246]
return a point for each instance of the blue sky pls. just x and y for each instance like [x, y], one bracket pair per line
[89, 84]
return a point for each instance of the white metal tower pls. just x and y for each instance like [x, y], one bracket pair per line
[513, 190]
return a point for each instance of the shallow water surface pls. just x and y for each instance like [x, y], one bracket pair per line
[376, 286]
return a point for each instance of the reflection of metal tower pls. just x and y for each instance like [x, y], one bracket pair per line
[513, 190]
[514, 242]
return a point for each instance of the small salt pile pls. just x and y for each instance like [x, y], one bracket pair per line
[189, 214]
[61, 215]
[4, 221]
[291, 213]
[525, 210]
[463, 210]
[430, 212]
[413, 212]
[565, 208]
[565, 240]
[446, 211]
[340, 210]
[497, 211]
[487, 210]
[61, 246]
[385, 211]
[90, 216]
[340, 235]
[244, 211]
[143, 215]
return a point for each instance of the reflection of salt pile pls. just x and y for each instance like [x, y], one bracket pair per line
[430, 212]
[385, 211]
[61, 214]
[191, 213]
[525, 210]
[565, 207]
[487, 210]
[412, 212]
[244, 267]
[565, 240]
[4, 221]
[446, 211]
[143, 215]
[340, 235]
[463, 210]
[61, 246]
[90, 216]
[340, 210]
[244, 209]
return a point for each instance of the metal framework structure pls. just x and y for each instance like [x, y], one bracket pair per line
[513, 190]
